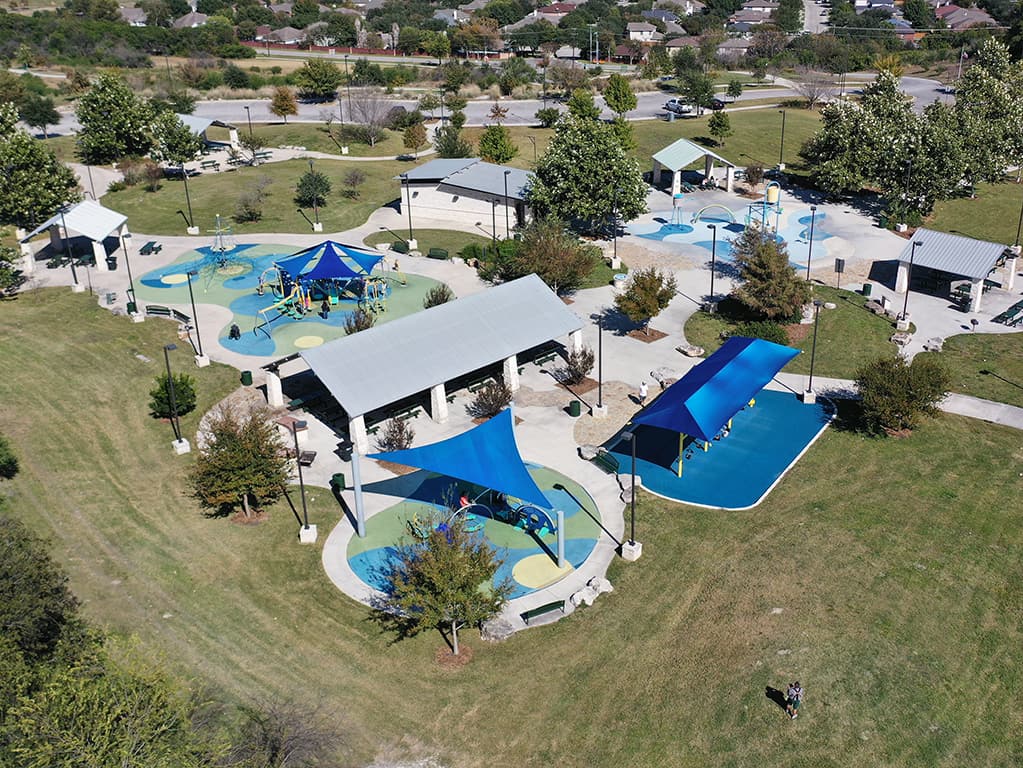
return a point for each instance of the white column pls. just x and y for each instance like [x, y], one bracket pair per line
[1010, 273]
[28, 259]
[100, 255]
[56, 241]
[360, 510]
[976, 290]
[655, 174]
[729, 178]
[439, 403]
[575, 341]
[232, 138]
[902, 277]
[357, 432]
[274, 392]
[511, 373]
[676, 183]
[708, 166]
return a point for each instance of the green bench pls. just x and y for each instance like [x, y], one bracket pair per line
[210, 165]
[549, 357]
[400, 246]
[373, 430]
[542, 610]
[607, 462]
[156, 310]
[437, 253]
[150, 248]
[408, 413]
[478, 384]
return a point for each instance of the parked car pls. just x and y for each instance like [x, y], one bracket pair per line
[717, 104]
[678, 106]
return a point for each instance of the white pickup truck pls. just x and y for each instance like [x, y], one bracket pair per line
[678, 107]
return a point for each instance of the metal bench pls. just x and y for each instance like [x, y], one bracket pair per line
[210, 165]
[156, 310]
[149, 248]
[478, 384]
[607, 462]
[400, 246]
[437, 253]
[542, 610]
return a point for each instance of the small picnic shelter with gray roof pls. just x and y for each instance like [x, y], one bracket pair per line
[676, 157]
[957, 256]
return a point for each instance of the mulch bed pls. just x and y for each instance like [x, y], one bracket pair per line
[648, 337]
[398, 469]
[239, 518]
[584, 386]
[447, 660]
[797, 332]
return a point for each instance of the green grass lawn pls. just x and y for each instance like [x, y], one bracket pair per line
[967, 357]
[154, 213]
[450, 240]
[847, 337]
[884, 574]
[993, 215]
[314, 137]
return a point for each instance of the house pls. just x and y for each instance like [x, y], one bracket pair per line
[282, 9]
[262, 31]
[630, 53]
[557, 9]
[190, 21]
[533, 18]
[750, 18]
[684, 41]
[862, 6]
[286, 36]
[642, 31]
[470, 8]
[134, 17]
[733, 49]
[963, 18]
[763, 7]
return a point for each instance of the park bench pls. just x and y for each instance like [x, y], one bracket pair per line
[155, 310]
[478, 384]
[400, 246]
[150, 248]
[412, 412]
[542, 610]
[210, 165]
[437, 253]
[304, 401]
[235, 161]
[373, 430]
[181, 317]
[265, 154]
[607, 462]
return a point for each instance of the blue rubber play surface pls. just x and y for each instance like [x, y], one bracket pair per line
[738, 470]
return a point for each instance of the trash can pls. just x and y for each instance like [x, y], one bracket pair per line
[247, 378]
[574, 408]
[112, 263]
[866, 289]
[337, 482]
[133, 308]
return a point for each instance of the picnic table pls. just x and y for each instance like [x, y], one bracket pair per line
[210, 165]
[150, 248]
[264, 154]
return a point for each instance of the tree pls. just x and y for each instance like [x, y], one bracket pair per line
[582, 106]
[769, 286]
[8, 460]
[283, 102]
[312, 190]
[444, 581]
[242, 459]
[397, 436]
[491, 400]
[437, 45]
[115, 122]
[580, 364]
[352, 181]
[619, 96]
[815, 87]
[734, 88]
[38, 112]
[415, 137]
[439, 294]
[173, 141]
[496, 145]
[789, 15]
[547, 116]
[370, 109]
[11, 278]
[184, 396]
[754, 175]
[720, 126]
[698, 89]
[283, 733]
[448, 142]
[429, 102]
[359, 320]
[553, 253]
[586, 175]
[34, 183]
[648, 292]
[897, 394]
[318, 79]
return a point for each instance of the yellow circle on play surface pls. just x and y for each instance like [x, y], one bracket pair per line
[176, 279]
[538, 571]
[305, 342]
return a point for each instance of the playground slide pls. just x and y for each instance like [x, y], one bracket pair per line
[282, 302]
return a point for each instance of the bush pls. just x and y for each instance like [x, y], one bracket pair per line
[249, 207]
[649, 291]
[397, 436]
[352, 181]
[313, 188]
[359, 320]
[184, 396]
[8, 460]
[763, 329]
[547, 117]
[491, 400]
[579, 366]
[117, 186]
[896, 394]
[439, 294]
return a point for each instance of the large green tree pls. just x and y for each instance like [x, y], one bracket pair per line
[619, 96]
[550, 251]
[173, 141]
[318, 79]
[496, 145]
[896, 394]
[698, 89]
[33, 182]
[115, 122]
[586, 175]
[647, 293]
[769, 286]
[38, 112]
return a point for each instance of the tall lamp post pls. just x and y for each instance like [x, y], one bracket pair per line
[192, 229]
[507, 216]
[307, 534]
[493, 220]
[408, 201]
[200, 360]
[317, 227]
[348, 89]
[909, 277]
[809, 249]
[711, 304]
[1019, 226]
[600, 411]
[532, 140]
[781, 152]
[810, 396]
[67, 253]
[132, 307]
[248, 117]
[632, 549]
[614, 230]
[180, 444]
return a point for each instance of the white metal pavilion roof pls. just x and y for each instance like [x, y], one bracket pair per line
[684, 153]
[389, 362]
[86, 218]
[955, 254]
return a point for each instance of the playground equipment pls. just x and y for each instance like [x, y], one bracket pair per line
[676, 210]
[727, 213]
[222, 255]
[757, 213]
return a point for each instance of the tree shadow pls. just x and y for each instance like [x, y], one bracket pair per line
[848, 413]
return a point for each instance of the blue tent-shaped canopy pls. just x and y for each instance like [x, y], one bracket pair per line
[485, 455]
[703, 401]
[331, 265]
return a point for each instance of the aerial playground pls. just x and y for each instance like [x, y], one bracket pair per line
[280, 300]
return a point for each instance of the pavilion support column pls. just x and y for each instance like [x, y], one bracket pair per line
[902, 277]
[655, 174]
[575, 341]
[28, 259]
[360, 506]
[1010, 272]
[708, 166]
[976, 291]
[274, 392]
[729, 178]
[439, 403]
[511, 372]
[676, 183]
[357, 433]
[99, 254]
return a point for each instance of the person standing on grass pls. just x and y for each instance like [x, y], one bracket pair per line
[642, 392]
[794, 697]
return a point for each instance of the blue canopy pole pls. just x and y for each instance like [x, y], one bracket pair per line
[360, 512]
[561, 539]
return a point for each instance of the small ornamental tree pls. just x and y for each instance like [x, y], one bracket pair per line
[496, 145]
[359, 320]
[242, 460]
[491, 400]
[754, 175]
[283, 102]
[443, 581]
[415, 137]
[11, 278]
[581, 105]
[39, 112]
[352, 181]
[769, 287]
[318, 79]
[554, 254]
[8, 460]
[897, 394]
[648, 292]
[734, 88]
[720, 126]
[184, 396]
[439, 294]
[397, 436]
[580, 364]
[548, 116]
[313, 188]
[619, 96]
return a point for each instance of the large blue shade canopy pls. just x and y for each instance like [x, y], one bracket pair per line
[330, 264]
[702, 401]
[485, 455]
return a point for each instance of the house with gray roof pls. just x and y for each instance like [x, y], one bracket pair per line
[190, 20]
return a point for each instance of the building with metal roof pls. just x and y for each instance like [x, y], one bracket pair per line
[956, 256]
[676, 157]
[200, 125]
[88, 219]
[427, 350]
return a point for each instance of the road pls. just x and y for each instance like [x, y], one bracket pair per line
[814, 16]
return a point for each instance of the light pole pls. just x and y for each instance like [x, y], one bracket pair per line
[809, 250]
[408, 198]
[532, 140]
[132, 306]
[348, 88]
[781, 152]
[295, 426]
[67, 248]
[316, 204]
[493, 220]
[201, 359]
[180, 444]
[188, 200]
[600, 362]
[614, 225]
[1019, 226]
[817, 304]
[507, 216]
[248, 116]
[713, 264]
[632, 549]
[909, 276]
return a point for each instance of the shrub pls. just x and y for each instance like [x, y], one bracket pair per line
[352, 181]
[249, 206]
[754, 175]
[439, 294]
[8, 460]
[184, 396]
[763, 329]
[580, 363]
[359, 320]
[491, 400]
[649, 291]
[117, 186]
[547, 117]
[896, 394]
[313, 188]
[397, 436]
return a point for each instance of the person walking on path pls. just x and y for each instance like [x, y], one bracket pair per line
[794, 697]
[642, 392]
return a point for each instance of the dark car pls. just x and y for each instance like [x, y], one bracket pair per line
[717, 104]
